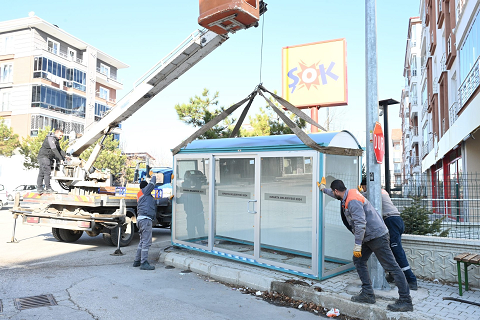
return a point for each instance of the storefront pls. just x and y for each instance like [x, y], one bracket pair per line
[256, 200]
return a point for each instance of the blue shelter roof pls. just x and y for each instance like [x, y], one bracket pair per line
[272, 143]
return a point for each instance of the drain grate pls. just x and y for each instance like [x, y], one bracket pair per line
[35, 302]
[1, 306]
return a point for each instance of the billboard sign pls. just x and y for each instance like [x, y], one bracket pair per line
[315, 74]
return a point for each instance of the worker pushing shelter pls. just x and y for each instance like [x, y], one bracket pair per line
[260, 202]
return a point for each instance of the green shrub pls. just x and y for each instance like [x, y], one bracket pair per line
[417, 221]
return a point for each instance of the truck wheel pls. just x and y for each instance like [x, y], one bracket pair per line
[1, 204]
[56, 234]
[128, 231]
[70, 235]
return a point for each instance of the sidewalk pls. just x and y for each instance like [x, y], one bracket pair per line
[333, 293]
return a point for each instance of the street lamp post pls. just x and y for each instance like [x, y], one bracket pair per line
[384, 106]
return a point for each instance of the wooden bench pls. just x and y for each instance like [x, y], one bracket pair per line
[467, 259]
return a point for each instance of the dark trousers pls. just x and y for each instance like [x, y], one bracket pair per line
[145, 230]
[396, 227]
[44, 174]
[380, 246]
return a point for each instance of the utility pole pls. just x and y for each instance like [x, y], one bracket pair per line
[377, 274]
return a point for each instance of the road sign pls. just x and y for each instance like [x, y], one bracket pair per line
[378, 142]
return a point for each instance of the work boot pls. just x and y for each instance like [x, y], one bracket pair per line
[413, 286]
[136, 263]
[50, 190]
[401, 305]
[146, 266]
[363, 298]
[389, 278]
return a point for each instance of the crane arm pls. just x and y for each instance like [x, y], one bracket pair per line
[193, 49]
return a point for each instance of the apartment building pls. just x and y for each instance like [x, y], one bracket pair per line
[449, 85]
[411, 104]
[397, 157]
[48, 77]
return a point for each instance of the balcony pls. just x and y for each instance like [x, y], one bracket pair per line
[469, 85]
[414, 161]
[452, 113]
[460, 7]
[435, 85]
[112, 101]
[443, 61]
[425, 149]
[104, 77]
[424, 108]
[107, 74]
[413, 100]
[414, 131]
[59, 53]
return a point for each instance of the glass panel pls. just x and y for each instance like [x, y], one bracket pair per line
[338, 239]
[234, 187]
[286, 212]
[192, 201]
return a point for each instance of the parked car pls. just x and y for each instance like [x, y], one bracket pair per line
[3, 196]
[196, 175]
[22, 189]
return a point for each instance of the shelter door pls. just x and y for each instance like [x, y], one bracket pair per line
[236, 205]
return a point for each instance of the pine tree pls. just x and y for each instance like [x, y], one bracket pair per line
[417, 221]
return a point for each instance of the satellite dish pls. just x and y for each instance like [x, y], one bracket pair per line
[31, 14]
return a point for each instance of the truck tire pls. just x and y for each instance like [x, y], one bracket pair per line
[56, 234]
[128, 231]
[70, 235]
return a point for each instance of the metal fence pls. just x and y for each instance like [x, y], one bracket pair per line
[456, 200]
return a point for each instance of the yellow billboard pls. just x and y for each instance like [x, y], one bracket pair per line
[315, 74]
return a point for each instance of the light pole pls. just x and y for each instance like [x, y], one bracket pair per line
[373, 168]
[384, 106]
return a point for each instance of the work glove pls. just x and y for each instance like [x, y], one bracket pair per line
[357, 250]
[171, 197]
[360, 188]
[322, 184]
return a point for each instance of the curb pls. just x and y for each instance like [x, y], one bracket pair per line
[264, 281]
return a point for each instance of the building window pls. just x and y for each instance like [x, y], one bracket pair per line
[414, 65]
[58, 100]
[5, 101]
[104, 93]
[72, 54]
[39, 122]
[6, 72]
[100, 111]
[7, 46]
[53, 46]
[104, 69]
[469, 51]
[51, 70]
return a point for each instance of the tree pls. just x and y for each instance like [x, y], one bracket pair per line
[200, 110]
[30, 147]
[417, 221]
[8, 140]
[109, 158]
[268, 123]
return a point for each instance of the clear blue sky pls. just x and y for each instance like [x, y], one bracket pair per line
[139, 33]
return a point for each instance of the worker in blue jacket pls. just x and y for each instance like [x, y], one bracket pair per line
[371, 236]
[146, 211]
[396, 226]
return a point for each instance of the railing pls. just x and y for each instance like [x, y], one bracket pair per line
[469, 85]
[414, 161]
[423, 70]
[435, 85]
[439, 6]
[460, 7]
[59, 53]
[430, 143]
[443, 62]
[425, 149]
[452, 113]
[414, 130]
[109, 99]
[424, 108]
[108, 74]
[449, 45]
[413, 100]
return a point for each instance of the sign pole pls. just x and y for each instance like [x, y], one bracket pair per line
[373, 168]
[314, 116]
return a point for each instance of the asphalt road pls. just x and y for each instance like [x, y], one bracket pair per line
[89, 283]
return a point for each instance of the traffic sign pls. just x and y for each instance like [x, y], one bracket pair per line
[378, 142]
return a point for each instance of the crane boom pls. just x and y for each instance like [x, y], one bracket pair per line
[193, 49]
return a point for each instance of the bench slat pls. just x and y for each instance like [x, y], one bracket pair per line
[467, 258]
[475, 259]
[460, 256]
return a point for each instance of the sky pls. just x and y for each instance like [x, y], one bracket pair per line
[142, 33]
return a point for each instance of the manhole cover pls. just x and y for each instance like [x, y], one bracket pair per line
[35, 302]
